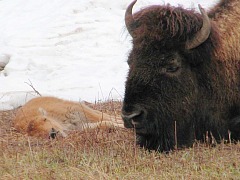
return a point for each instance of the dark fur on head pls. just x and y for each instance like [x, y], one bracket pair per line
[196, 97]
[169, 28]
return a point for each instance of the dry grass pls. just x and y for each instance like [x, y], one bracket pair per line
[110, 154]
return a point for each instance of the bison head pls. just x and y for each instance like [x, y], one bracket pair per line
[171, 50]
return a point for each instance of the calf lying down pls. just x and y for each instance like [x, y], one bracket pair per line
[50, 116]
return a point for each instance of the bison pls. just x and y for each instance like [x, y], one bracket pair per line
[50, 116]
[183, 82]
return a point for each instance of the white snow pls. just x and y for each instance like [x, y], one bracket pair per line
[72, 49]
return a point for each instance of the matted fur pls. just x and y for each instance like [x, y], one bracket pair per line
[43, 116]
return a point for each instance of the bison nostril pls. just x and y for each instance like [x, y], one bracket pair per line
[128, 117]
[133, 118]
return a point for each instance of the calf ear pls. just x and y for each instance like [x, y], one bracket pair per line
[42, 111]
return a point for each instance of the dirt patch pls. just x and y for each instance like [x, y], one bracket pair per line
[6, 118]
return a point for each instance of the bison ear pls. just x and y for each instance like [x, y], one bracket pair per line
[194, 58]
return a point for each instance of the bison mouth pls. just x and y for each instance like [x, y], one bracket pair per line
[152, 133]
[139, 128]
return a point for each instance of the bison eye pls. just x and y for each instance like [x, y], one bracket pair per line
[172, 69]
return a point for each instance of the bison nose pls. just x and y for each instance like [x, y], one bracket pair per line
[132, 119]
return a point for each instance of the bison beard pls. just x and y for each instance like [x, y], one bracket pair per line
[181, 83]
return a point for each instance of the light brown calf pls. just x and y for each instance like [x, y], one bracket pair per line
[47, 116]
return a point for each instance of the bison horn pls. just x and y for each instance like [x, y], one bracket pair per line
[202, 35]
[129, 18]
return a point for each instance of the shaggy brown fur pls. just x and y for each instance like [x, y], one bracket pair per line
[198, 89]
[226, 15]
[46, 116]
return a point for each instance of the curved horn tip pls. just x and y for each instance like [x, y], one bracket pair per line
[134, 2]
[199, 6]
[129, 18]
[202, 10]
[130, 6]
[202, 35]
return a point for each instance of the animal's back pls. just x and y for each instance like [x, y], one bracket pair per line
[226, 17]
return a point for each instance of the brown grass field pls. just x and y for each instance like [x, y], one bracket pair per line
[108, 154]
